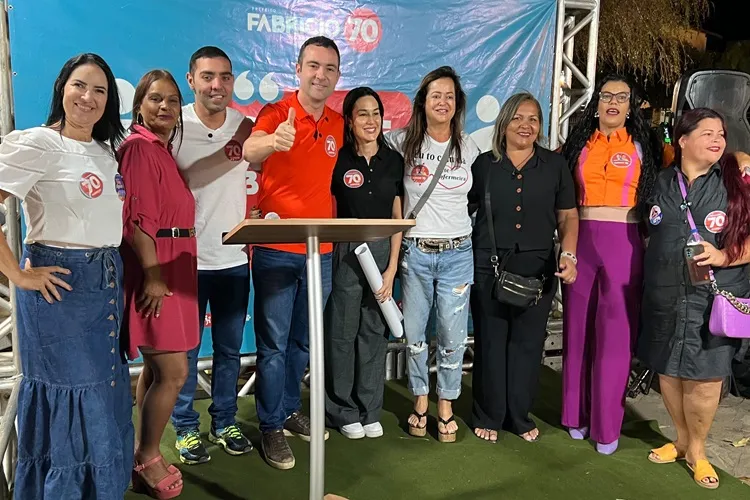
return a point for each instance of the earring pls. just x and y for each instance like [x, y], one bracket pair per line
[627, 115]
[596, 115]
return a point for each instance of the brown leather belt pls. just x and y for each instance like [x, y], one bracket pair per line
[176, 232]
[437, 245]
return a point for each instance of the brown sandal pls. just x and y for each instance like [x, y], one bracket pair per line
[446, 437]
[418, 430]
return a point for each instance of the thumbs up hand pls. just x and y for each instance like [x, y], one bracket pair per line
[283, 137]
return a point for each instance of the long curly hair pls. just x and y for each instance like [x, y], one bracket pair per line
[637, 127]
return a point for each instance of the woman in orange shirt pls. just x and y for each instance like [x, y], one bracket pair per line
[615, 162]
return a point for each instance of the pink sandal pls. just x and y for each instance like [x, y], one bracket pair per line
[171, 468]
[160, 491]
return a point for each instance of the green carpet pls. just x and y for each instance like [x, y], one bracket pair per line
[398, 466]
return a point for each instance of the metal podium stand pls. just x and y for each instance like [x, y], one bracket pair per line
[312, 232]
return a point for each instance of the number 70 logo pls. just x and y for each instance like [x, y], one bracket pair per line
[715, 221]
[363, 30]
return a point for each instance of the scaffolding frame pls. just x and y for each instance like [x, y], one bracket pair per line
[572, 17]
[569, 97]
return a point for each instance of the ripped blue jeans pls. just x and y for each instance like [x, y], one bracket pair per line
[442, 279]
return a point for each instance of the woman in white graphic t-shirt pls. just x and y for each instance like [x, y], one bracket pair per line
[437, 266]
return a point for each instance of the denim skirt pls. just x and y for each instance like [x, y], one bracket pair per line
[75, 433]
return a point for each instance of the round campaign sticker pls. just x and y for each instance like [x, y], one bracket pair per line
[91, 185]
[621, 160]
[715, 221]
[331, 148]
[353, 178]
[419, 174]
[654, 217]
[120, 187]
[233, 150]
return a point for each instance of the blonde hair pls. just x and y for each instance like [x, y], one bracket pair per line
[507, 112]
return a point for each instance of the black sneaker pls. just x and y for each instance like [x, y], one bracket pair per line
[190, 446]
[276, 450]
[298, 425]
[231, 439]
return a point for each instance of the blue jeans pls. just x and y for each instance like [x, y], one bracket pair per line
[446, 276]
[228, 292]
[281, 331]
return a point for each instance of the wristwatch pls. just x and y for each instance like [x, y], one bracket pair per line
[570, 256]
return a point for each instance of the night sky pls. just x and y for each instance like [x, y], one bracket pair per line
[728, 20]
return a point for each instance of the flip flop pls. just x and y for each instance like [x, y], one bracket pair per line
[446, 437]
[418, 430]
[530, 439]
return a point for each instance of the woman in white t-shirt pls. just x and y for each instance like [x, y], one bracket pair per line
[437, 254]
[75, 434]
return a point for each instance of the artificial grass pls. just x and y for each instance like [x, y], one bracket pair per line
[398, 466]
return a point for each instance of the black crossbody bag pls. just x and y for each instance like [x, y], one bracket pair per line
[509, 288]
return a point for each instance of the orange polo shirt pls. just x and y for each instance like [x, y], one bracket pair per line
[608, 170]
[297, 183]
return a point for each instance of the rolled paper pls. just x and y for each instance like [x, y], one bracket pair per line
[391, 312]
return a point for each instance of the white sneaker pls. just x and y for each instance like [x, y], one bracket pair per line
[373, 430]
[353, 431]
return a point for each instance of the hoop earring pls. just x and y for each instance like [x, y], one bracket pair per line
[627, 115]
[596, 115]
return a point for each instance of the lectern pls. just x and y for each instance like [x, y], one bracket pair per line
[312, 232]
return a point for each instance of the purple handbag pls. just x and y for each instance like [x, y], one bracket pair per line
[730, 316]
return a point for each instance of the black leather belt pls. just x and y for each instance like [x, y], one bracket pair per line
[176, 232]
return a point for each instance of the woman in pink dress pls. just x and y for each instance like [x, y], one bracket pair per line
[161, 288]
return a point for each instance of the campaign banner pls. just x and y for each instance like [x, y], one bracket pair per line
[498, 47]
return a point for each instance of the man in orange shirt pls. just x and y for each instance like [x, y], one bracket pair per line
[296, 141]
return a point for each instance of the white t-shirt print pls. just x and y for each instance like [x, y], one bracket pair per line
[445, 215]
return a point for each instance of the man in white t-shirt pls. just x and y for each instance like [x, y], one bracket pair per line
[210, 160]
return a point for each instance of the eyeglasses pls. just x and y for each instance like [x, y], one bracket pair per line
[622, 97]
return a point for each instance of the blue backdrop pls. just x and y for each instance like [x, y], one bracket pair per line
[499, 47]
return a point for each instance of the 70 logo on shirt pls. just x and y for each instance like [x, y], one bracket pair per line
[353, 178]
[233, 150]
[715, 221]
[91, 185]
